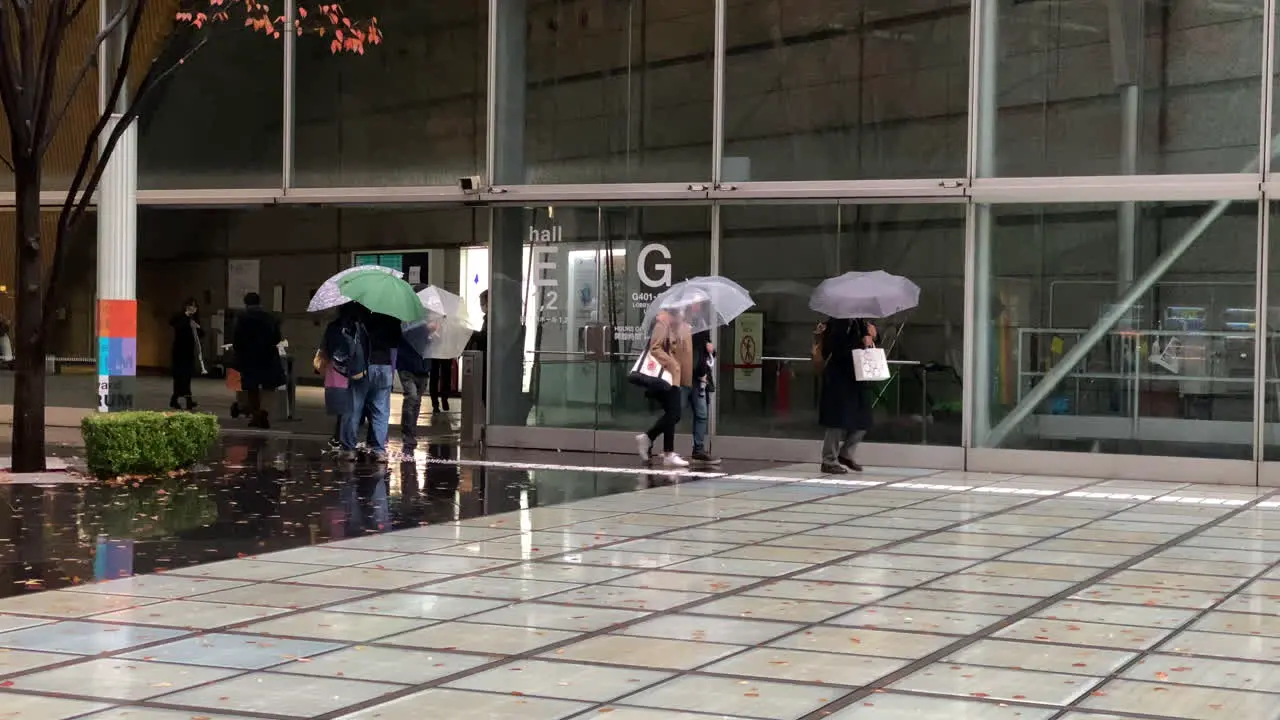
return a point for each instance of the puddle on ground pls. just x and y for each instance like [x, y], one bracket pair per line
[258, 495]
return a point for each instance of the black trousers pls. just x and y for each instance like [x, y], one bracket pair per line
[182, 381]
[670, 418]
[438, 383]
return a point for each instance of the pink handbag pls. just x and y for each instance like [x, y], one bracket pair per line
[334, 379]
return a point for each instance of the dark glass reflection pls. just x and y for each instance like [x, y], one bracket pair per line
[259, 495]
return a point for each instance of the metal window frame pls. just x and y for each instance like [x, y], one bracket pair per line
[611, 192]
[288, 117]
[719, 46]
[913, 190]
[1118, 188]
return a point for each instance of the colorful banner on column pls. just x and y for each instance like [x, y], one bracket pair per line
[117, 354]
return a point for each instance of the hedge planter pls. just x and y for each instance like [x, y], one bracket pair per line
[146, 443]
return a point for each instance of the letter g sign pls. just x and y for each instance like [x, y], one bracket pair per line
[663, 269]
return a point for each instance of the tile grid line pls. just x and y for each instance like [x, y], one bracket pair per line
[1074, 705]
[933, 495]
[551, 648]
[1028, 612]
[942, 576]
[157, 703]
[915, 537]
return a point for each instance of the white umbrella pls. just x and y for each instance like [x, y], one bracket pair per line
[329, 295]
[706, 302]
[875, 294]
[445, 332]
[443, 302]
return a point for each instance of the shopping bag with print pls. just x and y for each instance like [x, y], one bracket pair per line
[870, 365]
[649, 374]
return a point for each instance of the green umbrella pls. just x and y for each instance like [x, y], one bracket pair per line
[383, 293]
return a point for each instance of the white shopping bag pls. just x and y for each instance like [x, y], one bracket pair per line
[649, 373]
[870, 365]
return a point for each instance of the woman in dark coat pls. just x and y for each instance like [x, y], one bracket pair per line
[844, 407]
[185, 355]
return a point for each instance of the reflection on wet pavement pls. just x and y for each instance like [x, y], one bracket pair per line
[261, 495]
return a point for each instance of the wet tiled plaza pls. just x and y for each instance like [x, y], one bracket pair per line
[768, 594]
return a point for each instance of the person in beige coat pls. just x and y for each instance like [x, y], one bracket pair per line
[671, 344]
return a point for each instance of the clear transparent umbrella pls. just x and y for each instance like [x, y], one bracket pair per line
[330, 295]
[442, 302]
[874, 294]
[445, 331]
[703, 302]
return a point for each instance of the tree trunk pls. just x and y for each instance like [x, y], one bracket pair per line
[28, 326]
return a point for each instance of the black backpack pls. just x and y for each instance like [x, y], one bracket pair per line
[351, 358]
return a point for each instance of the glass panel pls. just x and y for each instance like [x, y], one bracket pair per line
[218, 121]
[296, 249]
[651, 248]
[562, 261]
[1174, 375]
[588, 276]
[925, 243]
[1105, 87]
[615, 92]
[409, 112]
[846, 90]
[74, 331]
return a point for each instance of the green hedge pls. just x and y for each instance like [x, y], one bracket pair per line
[146, 443]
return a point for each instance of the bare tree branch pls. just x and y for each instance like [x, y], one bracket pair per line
[90, 151]
[46, 81]
[10, 80]
[70, 216]
[75, 11]
[26, 74]
[90, 61]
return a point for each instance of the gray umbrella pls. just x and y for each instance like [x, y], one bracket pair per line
[864, 295]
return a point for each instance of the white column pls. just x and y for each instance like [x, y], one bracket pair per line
[118, 272]
[118, 218]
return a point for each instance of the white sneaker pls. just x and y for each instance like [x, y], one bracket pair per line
[645, 447]
[673, 460]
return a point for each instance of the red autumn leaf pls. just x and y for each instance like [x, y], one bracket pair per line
[351, 34]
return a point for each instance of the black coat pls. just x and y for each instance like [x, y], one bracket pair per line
[844, 403]
[185, 349]
[257, 357]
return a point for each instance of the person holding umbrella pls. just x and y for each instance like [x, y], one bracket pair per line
[698, 397]
[671, 345]
[844, 406]
[386, 302]
[679, 322]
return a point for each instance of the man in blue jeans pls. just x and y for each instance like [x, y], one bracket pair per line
[698, 397]
[372, 393]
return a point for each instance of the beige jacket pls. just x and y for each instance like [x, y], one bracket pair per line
[672, 346]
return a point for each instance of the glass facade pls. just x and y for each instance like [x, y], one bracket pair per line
[1082, 190]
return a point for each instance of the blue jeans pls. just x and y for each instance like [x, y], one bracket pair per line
[372, 395]
[696, 399]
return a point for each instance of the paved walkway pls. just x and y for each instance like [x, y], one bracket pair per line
[778, 595]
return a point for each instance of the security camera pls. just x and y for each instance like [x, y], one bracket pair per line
[469, 185]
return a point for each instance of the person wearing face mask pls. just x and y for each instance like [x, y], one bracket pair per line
[671, 345]
[186, 358]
